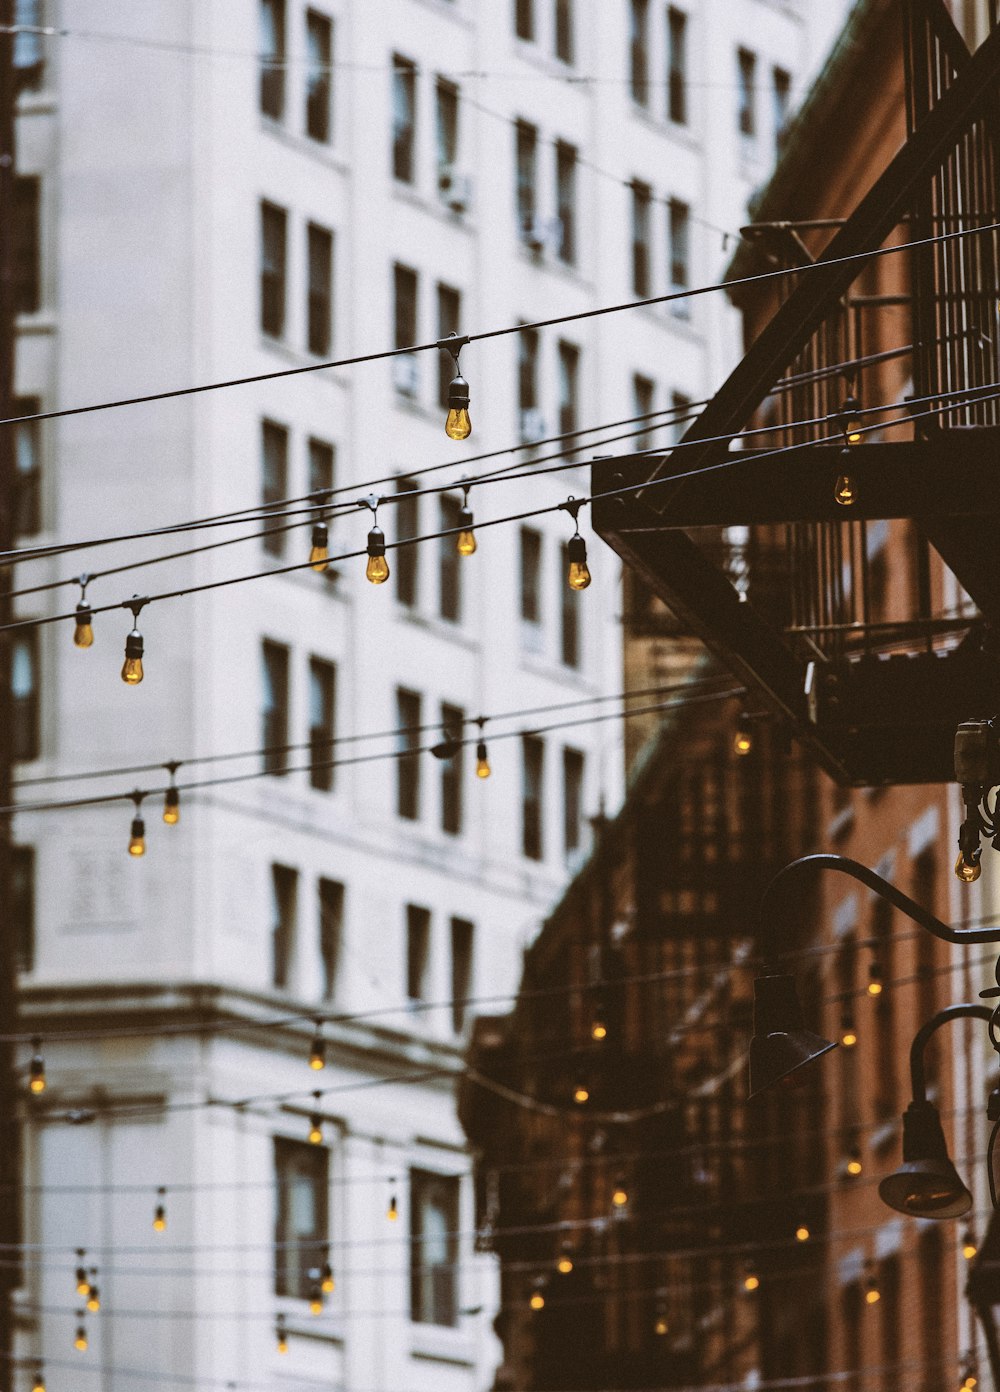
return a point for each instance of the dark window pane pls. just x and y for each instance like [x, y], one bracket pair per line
[642, 398]
[26, 250]
[452, 770]
[319, 57]
[526, 139]
[274, 732]
[28, 466]
[24, 694]
[273, 237]
[446, 131]
[320, 288]
[272, 58]
[677, 66]
[572, 800]
[29, 52]
[569, 374]
[449, 563]
[531, 575]
[639, 52]
[569, 614]
[433, 1248]
[462, 937]
[449, 313]
[407, 512]
[404, 115]
[408, 719]
[642, 202]
[274, 482]
[301, 1229]
[532, 763]
[564, 30]
[530, 424]
[566, 201]
[321, 470]
[284, 894]
[405, 369]
[524, 18]
[22, 893]
[322, 707]
[680, 253]
[747, 109]
[418, 946]
[331, 925]
[782, 102]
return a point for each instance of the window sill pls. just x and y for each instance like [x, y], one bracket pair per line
[297, 356]
[36, 103]
[300, 1323]
[541, 666]
[680, 131]
[321, 150]
[37, 321]
[442, 1345]
[528, 51]
[441, 628]
[435, 207]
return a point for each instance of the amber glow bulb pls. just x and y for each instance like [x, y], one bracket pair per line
[137, 837]
[172, 806]
[845, 490]
[320, 550]
[802, 1233]
[537, 1301]
[83, 633]
[458, 426]
[36, 1068]
[751, 1281]
[581, 1095]
[576, 552]
[483, 769]
[968, 871]
[377, 569]
[466, 542]
[132, 672]
[620, 1196]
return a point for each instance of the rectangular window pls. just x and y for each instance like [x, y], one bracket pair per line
[406, 557]
[301, 1227]
[531, 575]
[572, 801]
[680, 405]
[639, 52]
[564, 30]
[28, 469]
[273, 249]
[782, 94]
[569, 614]
[462, 938]
[24, 694]
[747, 109]
[452, 770]
[322, 722]
[524, 19]
[321, 466]
[319, 60]
[532, 766]
[642, 204]
[531, 425]
[404, 118]
[679, 227]
[418, 951]
[29, 54]
[433, 1248]
[26, 251]
[274, 722]
[643, 391]
[449, 307]
[526, 138]
[405, 369]
[272, 58]
[566, 201]
[22, 901]
[569, 387]
[677, 101]
[408, 719]
[284, 905]
[274, 482]
[449, 562]
[446, 129]
[331, 927]
[320, 306]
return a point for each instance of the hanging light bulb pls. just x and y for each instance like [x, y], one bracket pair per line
[317, 1049]
[969, 1372]
[457, 426]
[132, 672]
[327, 1284]
[38, 1381]
[848, 1034]
[83, 633]
[802, 1233]
[466, 542]
[849, 420]
[36, 1068]
[743, 739]
[565, 1263]
[581, 1094]
[94, 1298]
[82, 1284]
[968, 871]
[845, 490]
[751, 1281]
[969, 1245]
[160, 1211]
[854, 1165]
[619, 1196]
[875, 984]
[281, 1335]
[483, 769]
[172, 797]
[137, 832]
[537, 1301]
[599, 1024]
[320, 550]
[660, 1325]
[80, 1341]
[316, 1124]
[392, 1212]
[377, 569]
[872, 1293]
[576, 554]
[316, 1300]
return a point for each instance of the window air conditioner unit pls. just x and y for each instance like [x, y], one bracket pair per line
[405, 374]
[532, 425]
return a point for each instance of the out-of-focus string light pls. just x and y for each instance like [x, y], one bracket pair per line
[743, 738]
[483, 769]
[392, 1211]
[317, 1049]
[875, 982]
[160, 1211]
[457, 425]
[848, 1032]
[132, 672]
[80, 1341]
[82, 1284]
[36, 1068]
[465, 543]
[316, 1122]
[377, 567]
[172, 796]
[38, 1380]
[281, 1335]
[83, 633]
[137, 831]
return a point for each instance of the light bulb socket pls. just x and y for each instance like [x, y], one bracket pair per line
[466, 520]
[481, 753]
[171, 803]
[84, 614]
[458, 393]
[576, 549]
[133, 644]
[138, 829]
[320, 534]
[376, 542]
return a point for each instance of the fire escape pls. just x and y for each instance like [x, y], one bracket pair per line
[749, 547]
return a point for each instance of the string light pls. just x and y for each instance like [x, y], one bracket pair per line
[319, 552]
[465, 545]
[565, 1263]
[578, 577]
[172, 796]
[581, 1094]
[316, 1123]
[132, 673]
[619, 1196]
[377, 568]
[845, 490]
[36, 1068]
[38, 1380]
[83, 633]
[392, 1212]
[661, 1325]
[327, 1284]
[599, 1023]
[802, 1233]
[317, 1049]
[849, 421]
[970, 1369]
[281, 1335]
[82, 1284]
[137, 832]
[457, 426]
[969, 1245]
[968, 870]
[875, 982]
[743, 738]
[872, 1293]
[94, 1295]
[751, 1281]
[80, 1340]
[483, 769]
[854, 1165]
[537, 1301]
[160, 1211]
[316, 1300]
[848, 1033]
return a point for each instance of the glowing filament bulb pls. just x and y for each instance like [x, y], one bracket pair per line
[483, 769]
[80, 1342]
[160, 1212]
[132, 672]
[848, 1034]
[327, 1284]
[36, 1068]
[537, 1301]
[83, 633]
[281, 1337]
[875, 979]
[969, 1248]
[620, 1196]
[854, 1165]
[172, 806]
[872, 1293]
[661, 1326]
[392, 1212]
[466, 543]
[742, 740]
[317, 1050]
[94, 1300]
[319, 554]
[565, 1264]
[316, 1301]
[969, 1383]
[802, 1233]
[458, 426]
[845, 490]
[82, 1284]
[576, 553]
[137, 837]
[581, 1095]
[598, 1029]
[377, 569]
[850, 421]
[315, 1129]
[968, 871]
[38, 1381]
[751, 1281]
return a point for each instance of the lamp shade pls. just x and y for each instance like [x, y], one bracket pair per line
[780, 1043]
[926, 1185]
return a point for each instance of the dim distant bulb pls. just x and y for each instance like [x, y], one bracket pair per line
[80, 1342]
[581, 1095]
[282, 1344]
[802, 1233]
[38, 1382]
[316, 1304]
[160, 1213]
[83, 634]
[172, 806]
[661, 1326]
[392, 1212]
[620, 1196]
[850, 421]
[598, 1030]
[483, 769]
[969, 1247]
[565, 1264]
[751, 1281]
[854, 1165]
[315, 1130]
[848, 1035]
[36, 1069]
[327, 1284]
[537, 1301]
[845, 490]
[317, 1052]
[137, 837]
[93, 1300]
[320, 551]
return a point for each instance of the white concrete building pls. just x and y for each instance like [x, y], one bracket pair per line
[189, 213]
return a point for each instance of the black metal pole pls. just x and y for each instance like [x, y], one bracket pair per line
[918, 1078]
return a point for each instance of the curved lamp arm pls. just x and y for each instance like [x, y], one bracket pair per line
[830, 861]
[918, 1079]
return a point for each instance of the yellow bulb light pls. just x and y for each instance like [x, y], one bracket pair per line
[377, 569]
[802, 1233]
[80, 1342]
[968, 871]
[319, 551]
[598, 1030]
[537, 1301]
[483, 769]
[458, 425]
[172, 806]
[848, 1038]
[845, 490]
[620, 1197]
[576, 553]
[83, 633]
[660, 1327]
[137, 837]
[581, 1095]
[751, 1282]
[854, 1166]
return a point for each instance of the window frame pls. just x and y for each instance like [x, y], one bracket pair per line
[274, 445]
[272, 63]
[409, 711]
[284, 924]
[746, 110]
[434, 1293]
[677, 66]
[453, 771]
[319, 78]
[275, 670]
[322, 682]
[418, 952]
[403, 107]
[639, 53]
[319, 294]
[295, 1255]
[532, 797]
[273, 269]
[330, 899]
[567, 161]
